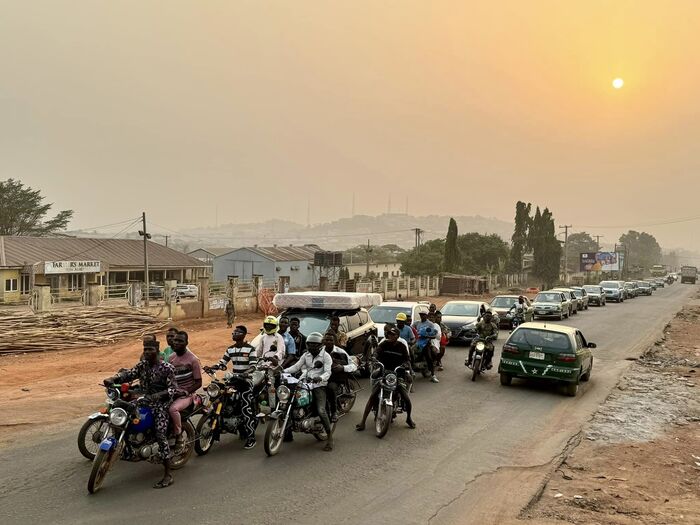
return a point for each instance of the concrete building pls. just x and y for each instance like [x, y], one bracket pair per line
[379, 269]
[69, 264]
[291, 264]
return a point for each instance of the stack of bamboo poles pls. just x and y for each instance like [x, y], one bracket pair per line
[24, 331]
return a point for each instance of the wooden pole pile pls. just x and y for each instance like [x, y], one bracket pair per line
[72, 328]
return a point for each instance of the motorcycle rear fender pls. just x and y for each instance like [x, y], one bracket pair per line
[98, 415]
[108, 444]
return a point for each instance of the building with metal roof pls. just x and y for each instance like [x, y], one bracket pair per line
[70, 263]
[290, 265]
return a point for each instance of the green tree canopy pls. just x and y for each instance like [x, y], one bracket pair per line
[547, 249]
[642, 249]
[519, 238]
[427, 259]
[23, 211]
[481, 254]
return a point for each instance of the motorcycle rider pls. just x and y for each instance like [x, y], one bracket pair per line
[157, 381]
[434, 346]
[343, 365]
[405, 331]
[269, 344]
[445, 334]
[392, 354]
[188, 375]
[316, 368]
[241, 355]
[487, 329]
[518, 309]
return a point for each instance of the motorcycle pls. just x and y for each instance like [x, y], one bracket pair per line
[224, 413]
[478, 364]
[294, 410]
[424, 344]
[389, 405]
[515, 320]
[133, 437]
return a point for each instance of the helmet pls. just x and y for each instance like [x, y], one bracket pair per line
[314, 337]
[401, 317]
[271, 322]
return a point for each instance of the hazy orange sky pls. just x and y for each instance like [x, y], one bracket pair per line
[465, 107]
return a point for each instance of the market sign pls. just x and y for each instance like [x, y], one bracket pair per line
[53, 267]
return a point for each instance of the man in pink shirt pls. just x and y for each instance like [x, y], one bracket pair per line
[188, 375]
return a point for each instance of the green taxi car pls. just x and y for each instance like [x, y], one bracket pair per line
[547, 351]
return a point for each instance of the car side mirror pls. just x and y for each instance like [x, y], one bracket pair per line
[592, 345]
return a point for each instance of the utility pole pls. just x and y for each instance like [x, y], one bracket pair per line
[166, 240]
[566, 251]
[144, 233]
[597, 241]
[368, 251]
[419, 233]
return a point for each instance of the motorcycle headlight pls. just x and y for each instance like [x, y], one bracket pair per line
[480, 346]
[118, 417]
[283, 393]
[213, 390]
[390, 379]
[112, 394]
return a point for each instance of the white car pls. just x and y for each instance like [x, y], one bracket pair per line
[187, 290]
[387, 311]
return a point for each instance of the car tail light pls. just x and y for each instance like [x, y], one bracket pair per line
[510, 349]
[566, 358]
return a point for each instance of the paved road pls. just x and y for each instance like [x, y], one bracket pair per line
[477, 456]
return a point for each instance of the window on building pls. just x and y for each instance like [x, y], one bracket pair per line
[356, 276]
[385, 274]
[25, 283]
[10, 285]
[75, 281]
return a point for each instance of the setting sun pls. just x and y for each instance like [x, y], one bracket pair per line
[618, 83]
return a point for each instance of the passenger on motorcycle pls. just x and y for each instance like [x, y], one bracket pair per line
[299, 341]
[157, 381]
[518, 309]
[269, 345]
[392, 354]
[341, 338]
[434, 342]
[487, 329]
[241, 355]
[316, 368]
[169, 335]
[343, 365]
[188, 376]
[444, 339]
[405, 330]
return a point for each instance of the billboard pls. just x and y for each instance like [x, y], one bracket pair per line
[602, 262]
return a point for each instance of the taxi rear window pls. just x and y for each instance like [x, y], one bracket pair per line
[542, 338]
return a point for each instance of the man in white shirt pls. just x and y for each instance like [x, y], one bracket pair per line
[434, 342]
[269, 345]
[318, 376]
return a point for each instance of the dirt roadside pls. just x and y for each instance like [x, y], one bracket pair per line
[49, 390]
[639, 459]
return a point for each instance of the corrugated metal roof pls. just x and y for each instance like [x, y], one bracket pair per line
[212, 251]
[22, 251]
[286, 253]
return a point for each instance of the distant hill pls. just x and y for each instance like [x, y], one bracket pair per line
[396, 228]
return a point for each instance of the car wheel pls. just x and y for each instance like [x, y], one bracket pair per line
[571, 389]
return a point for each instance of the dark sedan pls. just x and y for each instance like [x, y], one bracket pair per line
[461, 318]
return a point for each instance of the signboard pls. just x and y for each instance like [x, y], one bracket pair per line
[601, 262]
[54, 267]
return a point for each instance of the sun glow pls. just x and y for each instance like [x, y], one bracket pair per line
[618, 83]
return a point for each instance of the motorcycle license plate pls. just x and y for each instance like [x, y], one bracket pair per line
[537, 355]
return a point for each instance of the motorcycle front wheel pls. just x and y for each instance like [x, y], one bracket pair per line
[100, 466]
[178, 460]
[382, 420]
[205, 435]
[273, 437]
[91, 435]
[476, 367]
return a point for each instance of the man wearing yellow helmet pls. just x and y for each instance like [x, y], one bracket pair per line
[270, 344]
[405, 331]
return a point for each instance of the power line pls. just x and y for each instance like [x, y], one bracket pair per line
[85, 230]
[103, 241]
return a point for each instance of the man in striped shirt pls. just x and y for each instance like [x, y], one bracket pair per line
[242, 356]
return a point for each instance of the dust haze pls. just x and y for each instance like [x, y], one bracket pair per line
[253, 108]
